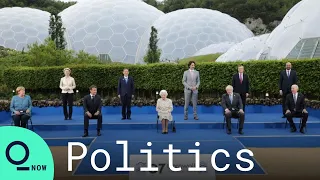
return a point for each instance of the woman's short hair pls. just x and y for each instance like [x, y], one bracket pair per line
[163, 92]
[66, 69]
[20, 88]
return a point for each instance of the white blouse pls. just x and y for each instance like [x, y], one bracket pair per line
[164, 109]
[67, 84]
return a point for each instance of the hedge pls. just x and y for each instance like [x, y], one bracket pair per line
[264, 76]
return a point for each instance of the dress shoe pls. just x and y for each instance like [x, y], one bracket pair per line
[302, 130]
[85, 134]
[65, 118]
[196, 118]
[123, 118]
[70, 118]
[98, 133]
[163, 132]
[129, 118]
[240, 131]
[229, 131]
[293, 129]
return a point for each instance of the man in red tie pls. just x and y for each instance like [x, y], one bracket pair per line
[241, 84]
[288, 77]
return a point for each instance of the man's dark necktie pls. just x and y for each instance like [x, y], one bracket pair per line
[92, 99]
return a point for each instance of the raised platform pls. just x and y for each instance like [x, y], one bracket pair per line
[257, 117]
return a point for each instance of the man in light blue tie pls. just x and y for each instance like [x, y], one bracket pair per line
[232, 108]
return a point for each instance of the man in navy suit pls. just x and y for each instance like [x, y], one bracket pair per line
[241, 84]
[126, 93]
[288, 78]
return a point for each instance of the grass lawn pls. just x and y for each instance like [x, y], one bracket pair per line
[200, 59]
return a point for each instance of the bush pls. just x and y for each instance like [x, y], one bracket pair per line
[264, 76]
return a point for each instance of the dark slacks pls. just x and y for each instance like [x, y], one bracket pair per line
[21, 120]
[126, 106]
[284, 96]
[67, 99]
[244, 100]
[296, 114]
[87, 118]
[234, 114]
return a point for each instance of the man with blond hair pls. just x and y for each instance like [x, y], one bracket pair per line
[232, 108]
[296, 107]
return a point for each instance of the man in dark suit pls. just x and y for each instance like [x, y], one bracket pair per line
[240, 83]
[126, 93]
[232, 108]
[288, 77]
[296, 107]
[92, 108]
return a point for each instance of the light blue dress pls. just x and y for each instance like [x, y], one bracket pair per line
[20, 104]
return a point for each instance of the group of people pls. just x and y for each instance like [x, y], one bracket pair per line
[233, 101]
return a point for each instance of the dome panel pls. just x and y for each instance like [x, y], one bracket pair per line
[198, 27]
[299, 24]
[122, 22]
[245, 50]
[21, 25]
[215, 48]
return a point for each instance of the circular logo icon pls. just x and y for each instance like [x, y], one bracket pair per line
[24, 155]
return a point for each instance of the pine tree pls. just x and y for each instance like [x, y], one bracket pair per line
[56, 31]
[153, 53]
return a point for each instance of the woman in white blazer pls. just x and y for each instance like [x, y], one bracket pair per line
[67, 85]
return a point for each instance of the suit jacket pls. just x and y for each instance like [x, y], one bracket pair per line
[125, 88]
[300, 104]
[92, 105]
[190, 81]
[236, 104]
[238, 87]
[64, 84]
[286, 82]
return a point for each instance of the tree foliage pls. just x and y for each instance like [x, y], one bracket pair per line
[56, 31]
[153, 53]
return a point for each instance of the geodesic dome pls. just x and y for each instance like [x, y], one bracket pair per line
[183, 32]
[245, 50]
[215, 48]
[297, 36]
[111, 28]
[22, 26]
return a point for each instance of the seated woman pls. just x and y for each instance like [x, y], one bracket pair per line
[21, 107]
[164, 109]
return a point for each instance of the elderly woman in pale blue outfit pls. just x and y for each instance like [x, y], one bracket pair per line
[164, 109]
[21, 108]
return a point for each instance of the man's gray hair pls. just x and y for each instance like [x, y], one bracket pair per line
[163, 92]
[229, 87]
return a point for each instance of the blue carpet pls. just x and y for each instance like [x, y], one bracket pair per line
[65, 141]
[206, 147]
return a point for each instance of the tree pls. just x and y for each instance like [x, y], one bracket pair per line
[153, 54]
[56, 31]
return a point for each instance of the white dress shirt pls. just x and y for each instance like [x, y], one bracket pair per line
[67, 84]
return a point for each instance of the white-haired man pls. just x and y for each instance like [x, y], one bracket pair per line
[232, 108]
[296, 107]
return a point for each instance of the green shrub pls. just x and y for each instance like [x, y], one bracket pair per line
[264, 76]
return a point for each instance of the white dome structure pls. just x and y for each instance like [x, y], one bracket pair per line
[298, 35]
[111, 28]
[183, 32]
[245, 50]
[22, 26]
[215, 48]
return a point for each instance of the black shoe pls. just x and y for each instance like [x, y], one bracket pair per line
[123, 118]
[302, 130]
[229, 131]
[65, 118]
[85, 134]
[163, 132]
[293, 130]
[70, 118]
[129, 118]
[240, 132]
[98, 133]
